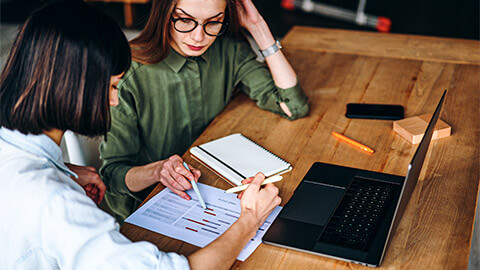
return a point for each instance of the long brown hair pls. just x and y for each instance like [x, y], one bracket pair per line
[153, 43]
[57, 75]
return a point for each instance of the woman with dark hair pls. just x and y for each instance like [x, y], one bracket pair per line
[61, 75]
[187, 62]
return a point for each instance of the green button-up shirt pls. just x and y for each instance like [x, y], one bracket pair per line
[164, 107]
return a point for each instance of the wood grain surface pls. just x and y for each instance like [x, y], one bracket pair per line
[436, 229]
[446, 50]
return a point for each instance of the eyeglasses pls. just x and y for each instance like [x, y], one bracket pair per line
[212, 28]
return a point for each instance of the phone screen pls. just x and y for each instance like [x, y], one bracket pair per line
[374, 111]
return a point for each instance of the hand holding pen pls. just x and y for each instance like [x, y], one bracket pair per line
[246, 183]
[257, 201]
[172, 174]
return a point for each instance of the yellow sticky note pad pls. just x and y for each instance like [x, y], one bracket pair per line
[413, 128]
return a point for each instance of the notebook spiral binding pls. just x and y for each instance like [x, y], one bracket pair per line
[277, 157]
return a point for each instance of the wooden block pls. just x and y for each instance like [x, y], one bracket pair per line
[413, 128]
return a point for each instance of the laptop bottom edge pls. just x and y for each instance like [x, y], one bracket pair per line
[323, 254]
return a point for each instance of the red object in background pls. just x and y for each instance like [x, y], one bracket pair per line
[383, 24]
[288, 4]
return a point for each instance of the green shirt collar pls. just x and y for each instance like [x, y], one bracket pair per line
[175, 61]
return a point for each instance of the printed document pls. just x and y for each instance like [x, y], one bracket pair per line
[168, 214]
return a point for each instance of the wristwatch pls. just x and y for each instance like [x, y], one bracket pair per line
[272, 49]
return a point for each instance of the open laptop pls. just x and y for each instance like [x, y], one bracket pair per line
[346, 213]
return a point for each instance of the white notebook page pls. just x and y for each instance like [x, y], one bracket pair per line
[242, 155]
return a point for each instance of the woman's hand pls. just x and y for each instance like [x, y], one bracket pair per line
[175, 176]
[283, 74]
[257, 202]
[91, 182]
[170, 172]
[248, 13]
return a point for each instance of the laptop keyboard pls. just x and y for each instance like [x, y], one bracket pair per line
[359, 214]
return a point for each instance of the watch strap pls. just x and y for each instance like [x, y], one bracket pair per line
[272, 49]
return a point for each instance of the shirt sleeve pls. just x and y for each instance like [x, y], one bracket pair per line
[120, 151]
[255, 79]
[75, 234]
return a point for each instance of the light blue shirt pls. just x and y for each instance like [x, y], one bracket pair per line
[49, 223]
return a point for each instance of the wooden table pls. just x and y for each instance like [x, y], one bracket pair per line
[336, 67]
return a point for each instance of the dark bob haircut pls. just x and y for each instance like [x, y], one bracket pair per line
[57, 75]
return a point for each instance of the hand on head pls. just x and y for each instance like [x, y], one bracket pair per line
[248, 13]
[91, 182]
[258, 202]
[172, 174]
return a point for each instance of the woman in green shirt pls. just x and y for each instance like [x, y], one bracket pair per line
[186, 64]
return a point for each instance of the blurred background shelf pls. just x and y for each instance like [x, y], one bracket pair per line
[129, 7]
[456, 19]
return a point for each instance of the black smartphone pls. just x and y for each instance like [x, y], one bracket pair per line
[374, 111]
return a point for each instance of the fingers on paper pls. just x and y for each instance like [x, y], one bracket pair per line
[175, 180]
[172, 182]
[178, 188]
[182, 194]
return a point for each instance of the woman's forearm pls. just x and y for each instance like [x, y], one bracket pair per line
[221, 253]
[140, 177]
[282, 72]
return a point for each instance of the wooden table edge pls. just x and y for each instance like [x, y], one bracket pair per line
[400, 46]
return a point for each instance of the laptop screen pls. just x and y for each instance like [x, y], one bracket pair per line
[416, 164]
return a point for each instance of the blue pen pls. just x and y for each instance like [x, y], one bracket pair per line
[195, 188]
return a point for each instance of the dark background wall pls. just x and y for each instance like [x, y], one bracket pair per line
[445, 18]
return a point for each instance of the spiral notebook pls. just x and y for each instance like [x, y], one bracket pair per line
[235, 157]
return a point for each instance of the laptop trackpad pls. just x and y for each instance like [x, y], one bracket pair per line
[312, 203]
